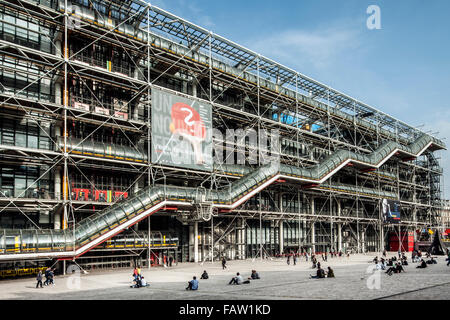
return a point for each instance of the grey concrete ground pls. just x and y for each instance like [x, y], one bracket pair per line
[279, 281]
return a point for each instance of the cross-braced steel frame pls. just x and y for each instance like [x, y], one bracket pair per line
[151, 48]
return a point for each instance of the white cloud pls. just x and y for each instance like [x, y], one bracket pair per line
[319, 48]
[187, 9]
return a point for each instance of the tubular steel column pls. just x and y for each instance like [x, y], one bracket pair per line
[212, 240]
[196, 242]
[281, 236]
[313, 227]
[339, 208]
[149, 132]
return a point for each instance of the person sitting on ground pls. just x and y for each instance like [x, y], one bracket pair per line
[193, 284]
[319, 275]
[390, 263]
[422, 265]
[254, 275]
[144, 282]
[399, 268]
[137, 282]
[432, 261]
[330, 273]
[238, 280]
[390, 271]
[204, 276]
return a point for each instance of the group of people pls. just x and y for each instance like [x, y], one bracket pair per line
[395, 265]
[321, 274]
[306, 255]
[49, 277]
[138, 279]
[237, 280]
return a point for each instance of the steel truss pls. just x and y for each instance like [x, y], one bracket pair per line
[245, 89]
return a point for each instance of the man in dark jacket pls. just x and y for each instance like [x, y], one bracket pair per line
[39, 279]
[204, 276]
[319, 275]
[423, 265]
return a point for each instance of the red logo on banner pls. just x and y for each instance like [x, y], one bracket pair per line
[187, 123]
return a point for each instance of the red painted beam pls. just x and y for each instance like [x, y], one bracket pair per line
[309, 186]
[170, 209]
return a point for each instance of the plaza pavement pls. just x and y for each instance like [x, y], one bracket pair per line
[279, 281]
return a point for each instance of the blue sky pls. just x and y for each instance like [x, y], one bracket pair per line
[402, 69]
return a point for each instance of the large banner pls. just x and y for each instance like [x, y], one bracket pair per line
[391, 211]
[181, 131]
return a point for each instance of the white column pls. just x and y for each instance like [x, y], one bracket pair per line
[363, 241]
[196, 242]
[339, 229]
[313, 228]
[57, 212]
[194, 88]
[191, 243]
[242, 241]
[281, 236]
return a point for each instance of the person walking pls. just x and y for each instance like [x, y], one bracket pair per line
[288, 259]
[295, 260]
[39, 279]
[224, 263]
[448, 257]
[52, 275]
[47, 276]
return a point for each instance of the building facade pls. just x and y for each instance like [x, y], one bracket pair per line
[79, 85]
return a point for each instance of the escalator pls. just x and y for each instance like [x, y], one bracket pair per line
[98, 228]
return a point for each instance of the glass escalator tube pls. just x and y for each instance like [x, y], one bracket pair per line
[99, 149]
[145, 198]
[85, 231]
[119, 152]
[28, 241]
[58, 239]
[44, 240]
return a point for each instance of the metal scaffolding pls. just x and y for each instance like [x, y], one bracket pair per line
[81, 75]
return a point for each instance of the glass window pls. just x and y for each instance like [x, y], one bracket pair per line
[32, 142]
[21, 140]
